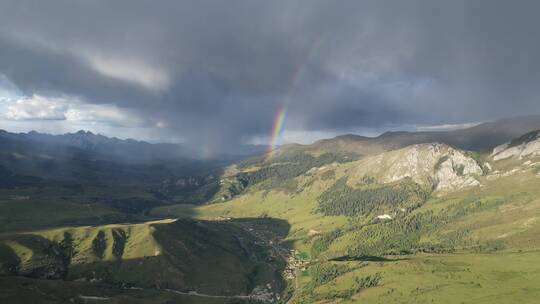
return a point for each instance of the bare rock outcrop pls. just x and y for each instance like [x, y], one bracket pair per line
[440, 165]
[526, 145]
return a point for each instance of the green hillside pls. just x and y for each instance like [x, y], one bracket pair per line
[427, 223]
[215, 258]
[361, 234]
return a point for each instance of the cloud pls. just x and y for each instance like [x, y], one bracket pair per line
[107, 114]
[217, 72]
[122, 68]
[448, 127]
[130, 71]
[70, 109]
[7, 88]
[35, 107]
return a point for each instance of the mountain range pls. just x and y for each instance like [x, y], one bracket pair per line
[481, 137]
[423, 217]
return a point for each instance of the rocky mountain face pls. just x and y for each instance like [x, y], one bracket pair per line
[445, 168]
[526, 145]
[455, 171]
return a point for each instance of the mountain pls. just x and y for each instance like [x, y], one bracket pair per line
[479, 138]
[127, 150]
[426, 222]
[437, 165]
[103, 147]
[85, 157]
[482, 137]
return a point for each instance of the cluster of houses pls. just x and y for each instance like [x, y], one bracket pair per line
[294, 263]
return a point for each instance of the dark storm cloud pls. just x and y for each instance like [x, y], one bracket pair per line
[219, 70]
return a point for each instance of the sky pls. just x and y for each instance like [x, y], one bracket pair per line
[218, 73]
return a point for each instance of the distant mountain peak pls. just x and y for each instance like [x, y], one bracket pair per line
[83, 132]
[393, 133]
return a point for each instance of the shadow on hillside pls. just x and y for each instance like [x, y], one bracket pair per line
[269, 227]
[223, 257]
[9, 261]
[45, 259]
[26, 290]
[365, 258]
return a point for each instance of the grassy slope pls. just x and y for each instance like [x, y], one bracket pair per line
[483, 255]
[446, 278]
[296, 208]
[216, 258]
[490, 233]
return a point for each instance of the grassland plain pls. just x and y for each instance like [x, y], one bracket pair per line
[475, 245]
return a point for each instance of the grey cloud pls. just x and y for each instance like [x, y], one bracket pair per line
[219, 70]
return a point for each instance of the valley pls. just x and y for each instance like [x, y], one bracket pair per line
[471, 235]
[269, 152]
[427, 222]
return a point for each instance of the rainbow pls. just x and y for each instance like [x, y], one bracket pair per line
[281, 114]
[277, 129]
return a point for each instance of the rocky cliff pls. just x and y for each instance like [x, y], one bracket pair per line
[445, 168]
[526, 145]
